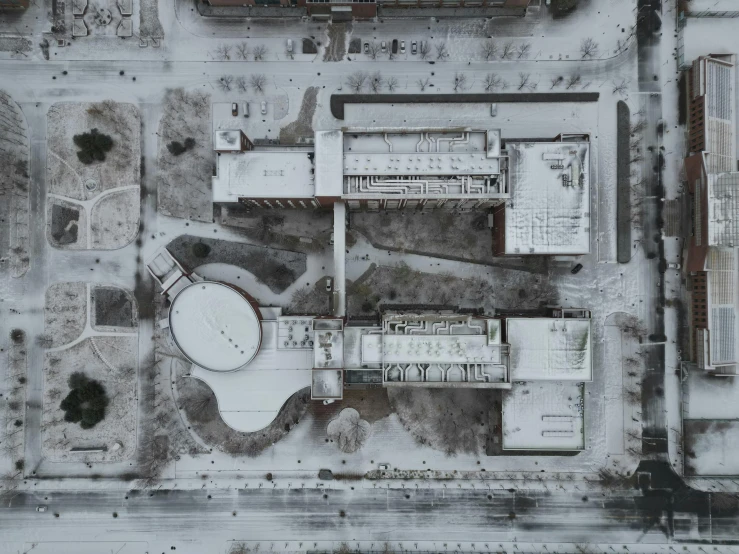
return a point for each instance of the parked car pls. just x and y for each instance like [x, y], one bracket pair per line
[234, 109]
[366, 47]
[331, 239]
[414, 47]
[493, 109]
[576, 269]
[289, 46]
[264, 107]
[329, 284]
[395, 46]
[673, 265]
[41, 508]
[246, 109]
[383, 467]
[383, 46]
[402, 47]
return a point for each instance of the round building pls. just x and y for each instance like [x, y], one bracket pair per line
[216, 326]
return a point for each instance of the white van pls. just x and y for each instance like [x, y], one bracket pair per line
[289, 46]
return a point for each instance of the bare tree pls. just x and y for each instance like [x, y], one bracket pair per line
[239, 548]
[242, 50]
[621, 87]
[225, 82]
[376, 82]
[441, 51]
[523, 50]
[373, 50]
[633, 396]
[258, 81]
[508, 49]
[424, 49]
[356, 81]
[572, 81]
[223, 52]
[588, 48]
[556, 81]
[460, 81]
[260, 52]
[489, 49]
[348, 430]
[524, 81]
[241, 83]
[639, 126]
[493, 82]
[392, 84]
[423, 83]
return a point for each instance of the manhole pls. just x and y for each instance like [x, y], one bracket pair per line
[91, 184]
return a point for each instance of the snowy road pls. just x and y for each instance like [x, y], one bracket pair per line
[209, 518]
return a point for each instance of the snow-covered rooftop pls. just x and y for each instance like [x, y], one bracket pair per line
[723, 209]
[278, 174]
[353, 346]
[721, 268]
[701, 7]
[329, 348]
[712, 447]
[446, 349]
[215, 326]
[327, 384]
[250, 399]
[544, 416]
[329, 173]
[227, 140]
[714, 78]
[420, 163]
[550, 349]
[549, 208]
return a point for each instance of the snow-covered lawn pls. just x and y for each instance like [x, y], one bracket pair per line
[105, 194]
[108, 354]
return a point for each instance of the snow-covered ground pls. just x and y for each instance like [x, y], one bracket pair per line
[103, 67]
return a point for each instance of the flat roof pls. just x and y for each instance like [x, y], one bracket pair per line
[249, 400]
[445, 349]
[723, 209]
[329, 173]
[550, 349]
[544, 416]
[327, 384]
[712, 447]
[549, 208]
[328, 349]
[215, 326]
[228, 140]
[420, 163]
[274, 174]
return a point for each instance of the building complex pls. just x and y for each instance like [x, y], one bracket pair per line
[537, 194]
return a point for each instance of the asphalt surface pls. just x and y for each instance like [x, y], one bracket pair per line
[368, 514]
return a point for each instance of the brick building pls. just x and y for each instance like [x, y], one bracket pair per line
[713, 183]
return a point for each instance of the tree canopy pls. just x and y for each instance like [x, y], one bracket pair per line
[93, 146]
[86, 402]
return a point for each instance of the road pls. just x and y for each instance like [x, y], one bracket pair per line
[369, 514]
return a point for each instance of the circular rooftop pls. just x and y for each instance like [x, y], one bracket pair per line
[215, 326]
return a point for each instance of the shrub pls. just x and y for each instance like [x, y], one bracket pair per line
[176, 147]
[86, 402]
[93, 146]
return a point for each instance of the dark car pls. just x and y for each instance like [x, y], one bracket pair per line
[395, 46]
[576, 269]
